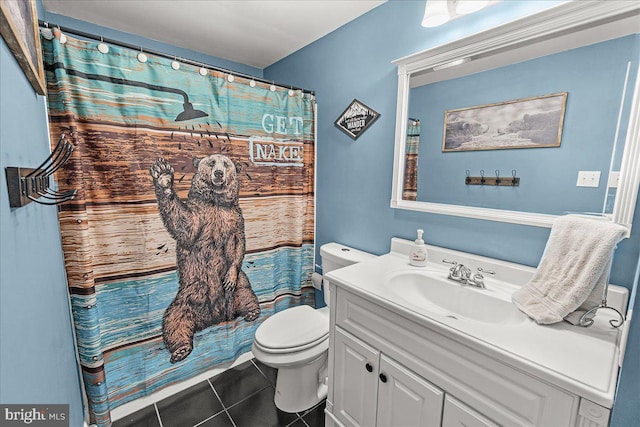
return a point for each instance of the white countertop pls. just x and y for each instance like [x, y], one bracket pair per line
[583, 361]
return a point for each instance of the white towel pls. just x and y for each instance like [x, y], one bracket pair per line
[573, 270]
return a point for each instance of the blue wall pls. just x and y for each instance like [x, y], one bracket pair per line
[593, 76]
[354, 177]
[37, 355]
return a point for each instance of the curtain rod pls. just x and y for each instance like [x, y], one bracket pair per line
[49, 25]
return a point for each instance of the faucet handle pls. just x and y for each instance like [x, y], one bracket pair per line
[482, 270]
[477, 280]
[450, 262]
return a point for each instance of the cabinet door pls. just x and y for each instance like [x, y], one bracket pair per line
[404, 399]
[457, 414]
[355, 381]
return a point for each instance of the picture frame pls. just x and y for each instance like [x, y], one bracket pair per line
[534, 122]
[356, 118]
[19, 28]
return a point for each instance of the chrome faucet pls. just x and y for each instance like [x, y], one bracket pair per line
[459, 272]
[462, 274]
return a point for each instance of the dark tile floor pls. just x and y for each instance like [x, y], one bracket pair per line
[240, 397]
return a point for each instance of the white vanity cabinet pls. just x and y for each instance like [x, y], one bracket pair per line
[372, 389]
[386, 369]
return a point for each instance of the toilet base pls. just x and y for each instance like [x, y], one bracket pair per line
[301, 387]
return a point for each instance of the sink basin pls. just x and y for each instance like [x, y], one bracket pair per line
[428, 292]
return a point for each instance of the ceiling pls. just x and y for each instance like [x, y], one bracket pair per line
[252, 32]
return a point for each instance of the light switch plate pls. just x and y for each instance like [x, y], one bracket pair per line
[614, 179]
[588, 179]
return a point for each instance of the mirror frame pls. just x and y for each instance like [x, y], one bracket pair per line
[563, 27]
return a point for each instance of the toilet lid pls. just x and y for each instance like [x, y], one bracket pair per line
[291, 328]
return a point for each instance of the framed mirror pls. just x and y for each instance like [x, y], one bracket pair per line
[551, 99]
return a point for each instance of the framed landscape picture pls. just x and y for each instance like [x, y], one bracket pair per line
[19, 28]
[521, 123]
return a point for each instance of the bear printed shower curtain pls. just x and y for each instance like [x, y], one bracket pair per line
[194, 217]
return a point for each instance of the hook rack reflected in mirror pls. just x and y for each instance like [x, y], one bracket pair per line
[497, 180]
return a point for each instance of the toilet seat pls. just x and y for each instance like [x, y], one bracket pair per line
[292, 330]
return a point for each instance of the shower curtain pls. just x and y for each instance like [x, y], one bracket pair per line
[410, 183]
[194, 219]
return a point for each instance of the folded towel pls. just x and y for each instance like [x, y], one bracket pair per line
[573, 271]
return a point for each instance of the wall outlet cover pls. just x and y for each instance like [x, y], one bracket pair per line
[588, 179]
[614, 179]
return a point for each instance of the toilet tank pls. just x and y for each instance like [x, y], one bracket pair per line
[335, 255]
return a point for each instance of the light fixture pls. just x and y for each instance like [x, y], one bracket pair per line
[464, 7]
[436, 12]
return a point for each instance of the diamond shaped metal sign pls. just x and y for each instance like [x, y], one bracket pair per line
[356, 119]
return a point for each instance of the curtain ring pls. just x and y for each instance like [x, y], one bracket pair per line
[142, 57]
[63, 38]
[102, 46]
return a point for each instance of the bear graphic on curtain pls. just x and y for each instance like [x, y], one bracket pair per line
[210, 246]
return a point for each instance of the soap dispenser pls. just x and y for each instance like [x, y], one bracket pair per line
[418, 252]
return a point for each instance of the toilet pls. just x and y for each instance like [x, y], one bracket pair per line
[296, 340]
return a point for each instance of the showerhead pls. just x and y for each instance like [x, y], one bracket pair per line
[190, 113]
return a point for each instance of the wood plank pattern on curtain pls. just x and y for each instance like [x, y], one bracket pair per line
[120, 259]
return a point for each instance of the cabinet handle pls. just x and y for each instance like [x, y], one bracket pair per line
[369, 367]
[383, 378]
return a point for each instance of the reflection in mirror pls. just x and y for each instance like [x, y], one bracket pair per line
[503, 119]
[552, 98]
[410, 186]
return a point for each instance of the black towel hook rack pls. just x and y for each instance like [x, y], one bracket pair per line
[26, 185]
[495, 181]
